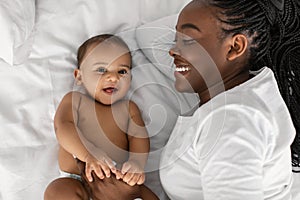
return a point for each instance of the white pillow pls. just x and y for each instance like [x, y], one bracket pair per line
[63, 26]
[6, 39]
[17, 18]
[152, 10]
[155, 39]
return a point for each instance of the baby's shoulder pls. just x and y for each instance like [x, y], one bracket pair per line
[74, 97]
[73, 94]
[127, 105]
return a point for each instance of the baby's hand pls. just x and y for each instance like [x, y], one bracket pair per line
[131, 173]
[102, 165]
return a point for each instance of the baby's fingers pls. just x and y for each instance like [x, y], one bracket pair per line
[99, 172]
[105, 169]
[119, 175]
[135, 179]
[111, 165]
[141, 179]
[88, 173]
[128, 177]
[125, 168]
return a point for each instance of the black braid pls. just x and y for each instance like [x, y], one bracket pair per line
[276, 44]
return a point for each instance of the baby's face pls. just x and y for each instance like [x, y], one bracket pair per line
[106, 73]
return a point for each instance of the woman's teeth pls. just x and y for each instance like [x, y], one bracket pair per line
[182, 69]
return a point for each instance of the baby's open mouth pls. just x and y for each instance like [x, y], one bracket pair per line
[110, 90]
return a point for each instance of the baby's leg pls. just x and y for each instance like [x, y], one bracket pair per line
[65, 188]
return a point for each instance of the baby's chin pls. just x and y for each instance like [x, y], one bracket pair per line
[108, 101]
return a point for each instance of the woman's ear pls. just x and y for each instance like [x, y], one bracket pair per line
[78, 76]
[239, 44]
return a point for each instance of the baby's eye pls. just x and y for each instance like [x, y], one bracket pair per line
[101, 70]
[123, 71]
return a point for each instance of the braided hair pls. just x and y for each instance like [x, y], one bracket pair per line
[275, 43]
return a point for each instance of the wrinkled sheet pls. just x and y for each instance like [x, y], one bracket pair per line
[39, 40]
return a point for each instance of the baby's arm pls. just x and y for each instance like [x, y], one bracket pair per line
[132, 171]
[68, 136]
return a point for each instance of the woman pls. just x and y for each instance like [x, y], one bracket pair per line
[237, 143]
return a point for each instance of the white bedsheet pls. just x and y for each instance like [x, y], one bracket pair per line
[39, 39]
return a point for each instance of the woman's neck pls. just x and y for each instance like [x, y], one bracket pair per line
[223, 86]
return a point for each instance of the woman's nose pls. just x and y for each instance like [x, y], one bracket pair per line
[174, 51]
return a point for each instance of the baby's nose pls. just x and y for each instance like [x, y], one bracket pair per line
[112, 76]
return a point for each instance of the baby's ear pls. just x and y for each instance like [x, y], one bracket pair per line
[239, 44]
[78, 77]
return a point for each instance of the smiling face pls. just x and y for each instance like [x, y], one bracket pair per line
[105, 71]
[206, 62]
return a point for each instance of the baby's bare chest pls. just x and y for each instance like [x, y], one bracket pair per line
[104, 126]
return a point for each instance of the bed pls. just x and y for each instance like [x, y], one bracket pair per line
[39, 39]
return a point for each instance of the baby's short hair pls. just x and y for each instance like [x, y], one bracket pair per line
[97, 40]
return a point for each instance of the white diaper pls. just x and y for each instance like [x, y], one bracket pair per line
[69, 175]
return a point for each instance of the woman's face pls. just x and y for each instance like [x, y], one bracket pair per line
[199, 53]
[105, 72]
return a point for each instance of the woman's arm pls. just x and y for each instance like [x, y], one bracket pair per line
[105, 189]
[108, 188]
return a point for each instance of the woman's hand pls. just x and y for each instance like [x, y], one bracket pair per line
[108, 188]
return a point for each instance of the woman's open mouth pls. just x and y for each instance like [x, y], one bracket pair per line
[182, 69]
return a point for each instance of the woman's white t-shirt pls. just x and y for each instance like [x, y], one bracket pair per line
[234, 147]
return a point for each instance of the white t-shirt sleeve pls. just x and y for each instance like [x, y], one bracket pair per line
[231, 150]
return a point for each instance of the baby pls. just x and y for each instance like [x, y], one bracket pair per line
[99, 126]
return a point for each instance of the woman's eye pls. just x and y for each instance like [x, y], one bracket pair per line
[188, 41]
[123, 71]
[101, 70]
